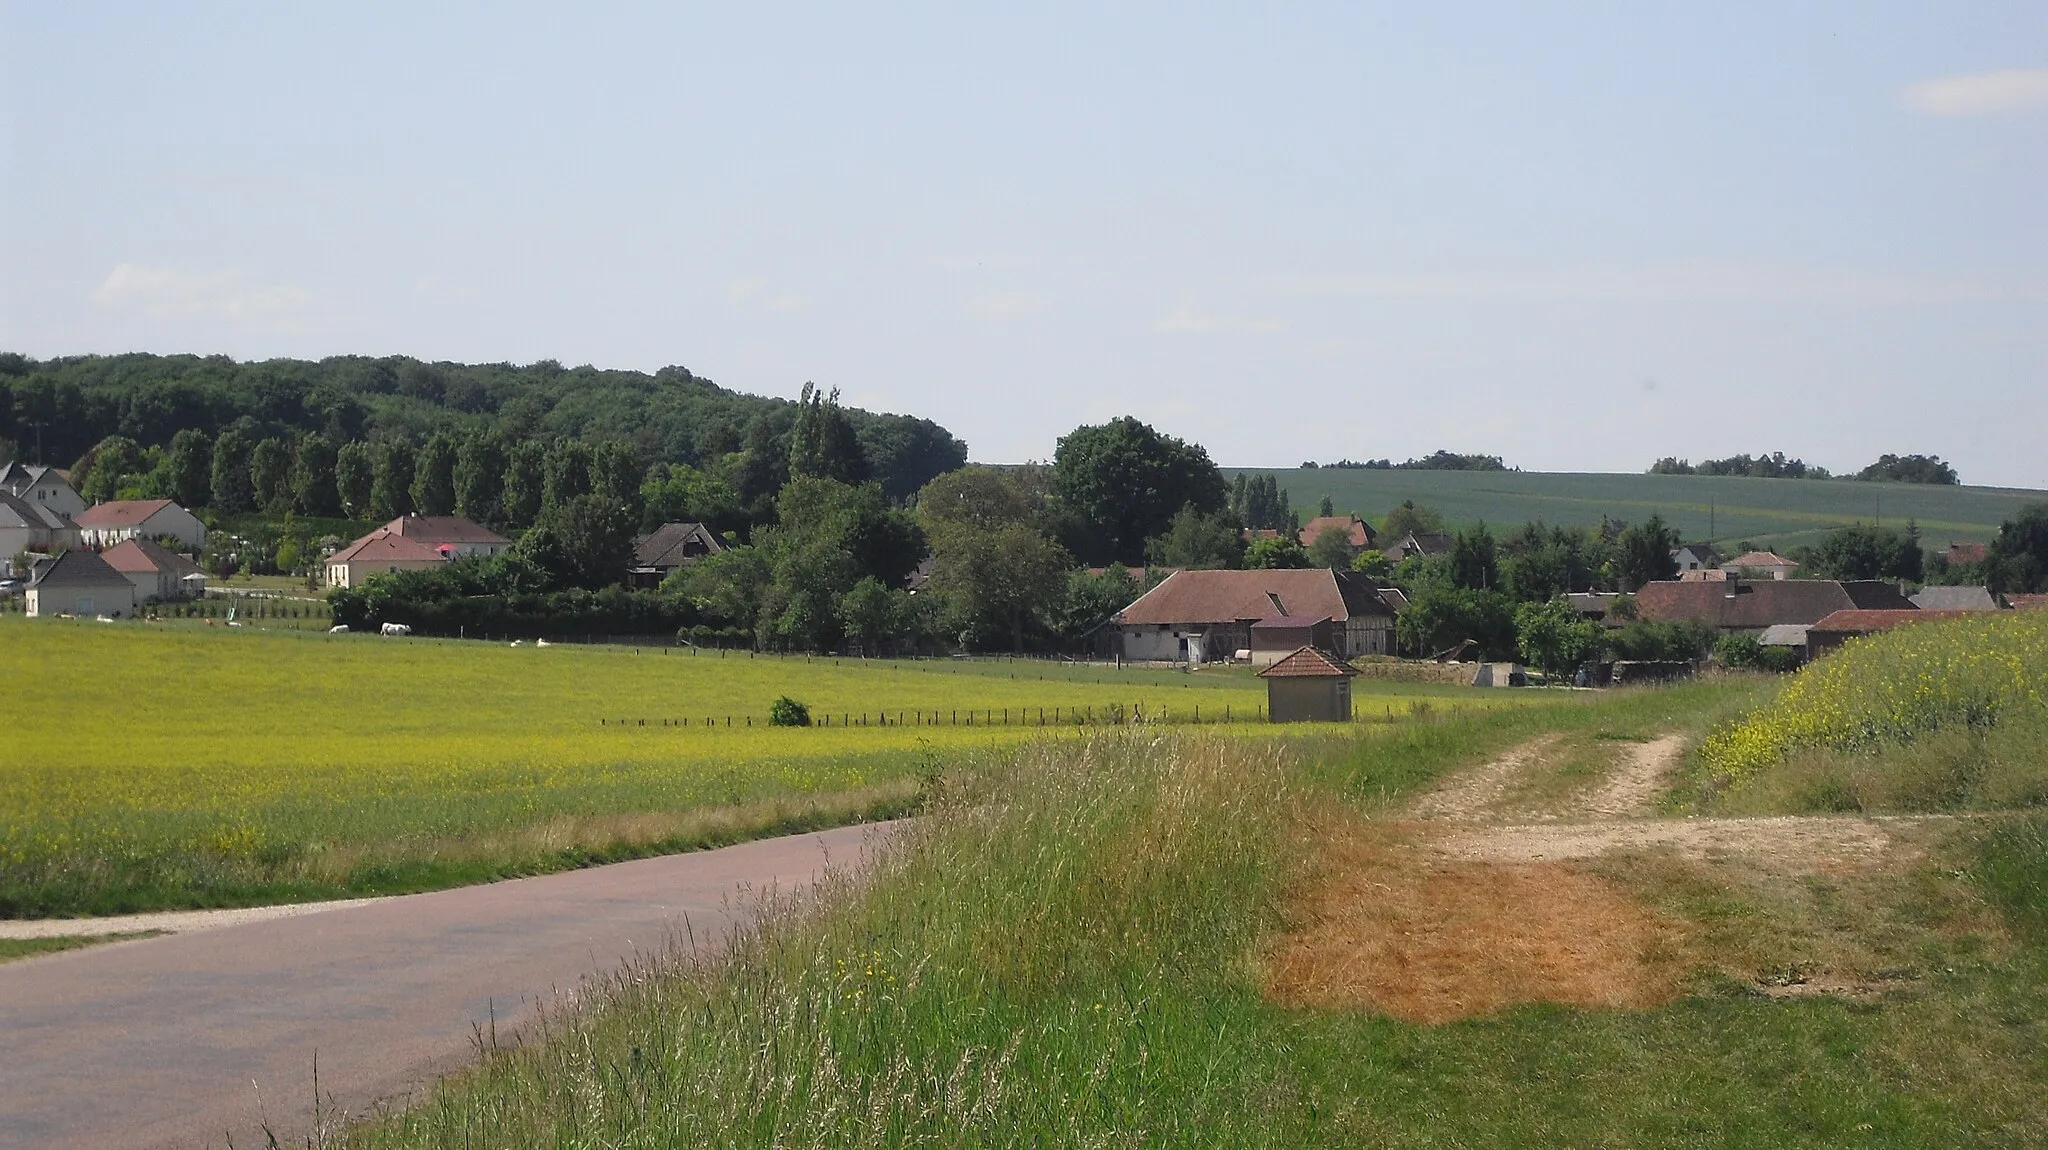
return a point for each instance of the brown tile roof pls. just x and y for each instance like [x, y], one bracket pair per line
[1860, 622]
[142, 556]
[1238, 596]
[1357, 531]
[1743, 604]
[1968, 552]
[442, 529]
[1759, 559]
[1426, 543]
[121, 512]
[1290, 623]
[1308, 663]
[78, 567]
[670, 544]
[386, 546]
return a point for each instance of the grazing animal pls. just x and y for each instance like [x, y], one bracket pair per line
[395, 629]
[541, 643]
[338, 629]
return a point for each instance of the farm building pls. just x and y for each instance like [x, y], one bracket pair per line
[105, 524]
[1358, 534]
[1276, 638]
[157, 572]
[1207, 616]
[1958, 599]
[1842, 626]
[411, 543]
[1420, 545]
[1760, 565]
[26, 526]
[43, 486]
[79, 582]
[1744, 606]
[670, 546]
[1694, 557]
[1308, 686]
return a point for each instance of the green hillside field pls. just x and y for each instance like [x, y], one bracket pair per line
[1717, 508]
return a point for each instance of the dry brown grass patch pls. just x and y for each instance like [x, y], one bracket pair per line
[1385, 925]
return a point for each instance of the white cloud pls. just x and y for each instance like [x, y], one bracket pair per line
[1684, 282]
[1188, 320]
[170, 293]
[1983, 94]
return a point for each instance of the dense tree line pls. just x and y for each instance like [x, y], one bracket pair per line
[1435, 461]
[60, 409]
[1772, 466]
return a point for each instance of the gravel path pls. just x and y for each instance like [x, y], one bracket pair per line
[168, 921]
[194, 1038]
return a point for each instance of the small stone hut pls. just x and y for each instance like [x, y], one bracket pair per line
[1308, 686]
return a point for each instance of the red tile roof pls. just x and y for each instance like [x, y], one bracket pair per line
[1238, 596]
[442, 529]
[1860, 622]
[144, 556]
[1308, 663]
[121, 513]
[1759, 559]
[386, 546]
[1357, 531]
[1743, 604]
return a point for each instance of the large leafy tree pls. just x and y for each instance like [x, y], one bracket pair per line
[433, 480]
[314, 486]
[679, 493]
[586, 542]
[1124, 481]
[1642, 553]
[115, 462]
[2018, 560]
[355, 468]
[568, 473]
[232, 492]
[480, 477]
[391, 479]
[1910, 469]
[525, 482]
[1866, 552]
[1553, 637]
[822, 443]
[1442, 617]
[270, 473]
[617, 475]
[191, 468]
[1195, 539]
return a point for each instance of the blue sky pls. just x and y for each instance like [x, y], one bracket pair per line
[1580, 239]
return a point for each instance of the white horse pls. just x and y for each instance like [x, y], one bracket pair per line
[394, 629]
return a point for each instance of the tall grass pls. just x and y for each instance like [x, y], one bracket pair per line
[1020, 969]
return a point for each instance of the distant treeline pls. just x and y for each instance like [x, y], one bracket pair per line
[57, 410]
[1889, 468]
[1434, 461]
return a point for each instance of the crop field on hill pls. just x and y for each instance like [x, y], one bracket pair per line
[1724, 509]
[155, 765]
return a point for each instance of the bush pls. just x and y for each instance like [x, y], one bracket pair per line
[787, 712]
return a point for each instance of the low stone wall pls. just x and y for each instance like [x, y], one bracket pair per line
[1413, 671]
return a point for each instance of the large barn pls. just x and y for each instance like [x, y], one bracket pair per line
[1208, 616]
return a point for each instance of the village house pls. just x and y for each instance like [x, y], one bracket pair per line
[1748, 607]
[411, 543]
[1966, 554]
[1420, 545]
[158, 573]
[1208, 616]
[79, 582]
[44, 486]
[1358, 534]
[105, 524]
[26, 526]
[1308, 686]
[670, 546]
[1760, 565]
[1694, 557]
[1841, 626]
[1958, 599]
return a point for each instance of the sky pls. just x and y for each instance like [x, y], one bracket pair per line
[1580, 238]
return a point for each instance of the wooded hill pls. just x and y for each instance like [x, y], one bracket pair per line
[60, 408]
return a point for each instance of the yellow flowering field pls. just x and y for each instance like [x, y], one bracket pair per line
[167, 764]
[1893, 687]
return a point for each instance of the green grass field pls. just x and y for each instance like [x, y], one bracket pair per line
[175, 764]
[1721, 509]
[1073, 949]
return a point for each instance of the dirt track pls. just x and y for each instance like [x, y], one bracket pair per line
[187, 1039]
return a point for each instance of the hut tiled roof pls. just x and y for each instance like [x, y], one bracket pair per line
[386, 546]
[121, 512]
[144, 556]
[1308, 663]
[1755, 604]
[1239, 596]
[1357, 532]
[442, 529]
[1861, 622]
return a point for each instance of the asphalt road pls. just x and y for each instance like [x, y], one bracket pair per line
[194, 1039]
